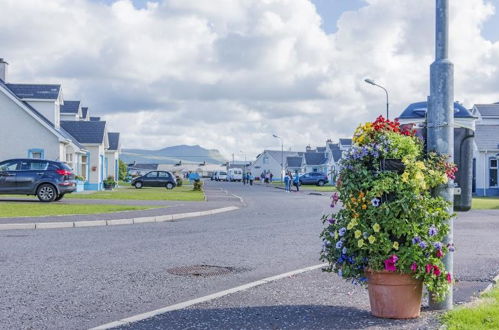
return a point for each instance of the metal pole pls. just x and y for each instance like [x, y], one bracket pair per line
[282, 161]
[441, 122]
[387, 106]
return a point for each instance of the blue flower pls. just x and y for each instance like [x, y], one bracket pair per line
[423, 244]
[437, 245]
[375, 202]
[341, 260]
[416, 240]
[342, 231]
[344, 251]
[432, 231]
[339, 244]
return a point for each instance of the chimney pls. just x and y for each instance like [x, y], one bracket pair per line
[308, 148]
[3, 69]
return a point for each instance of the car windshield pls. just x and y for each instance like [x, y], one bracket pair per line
[223, 173]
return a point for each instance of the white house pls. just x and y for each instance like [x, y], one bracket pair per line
[30, 124]
[38, 123]
[113, 154]
[486, 151]
[269, 161]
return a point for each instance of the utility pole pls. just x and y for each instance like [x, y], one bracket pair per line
[441, 122]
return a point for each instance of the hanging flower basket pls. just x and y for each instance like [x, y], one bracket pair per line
[389, 233]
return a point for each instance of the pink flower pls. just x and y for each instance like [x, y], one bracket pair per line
[428, 268]
[390, 263]
[335, 198]
[414, 266]
[439, 254]
[448, 278]
[436, 271]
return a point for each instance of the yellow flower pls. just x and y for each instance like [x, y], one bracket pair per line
[361, 195]
[396, 245]
[372, 239]
[360, 243]
[405, 177]
[352, 224]
[353, 199]
[364, 206]
[355, 215]
[376, 227]
[420, 165]
[358, 233]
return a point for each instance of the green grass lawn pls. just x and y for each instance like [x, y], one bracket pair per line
[34, 209]
[482, 315]
[184, 193]
[485, 203]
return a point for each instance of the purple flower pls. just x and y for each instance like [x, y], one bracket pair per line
[416, 240]
[344, 251]
[451, 248]
[332, 220]
[423, 244]
[342, 231]
[437, 245]
[432, 231]
[339, 244]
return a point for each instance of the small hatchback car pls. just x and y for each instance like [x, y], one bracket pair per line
[155, 179]
[48, 180]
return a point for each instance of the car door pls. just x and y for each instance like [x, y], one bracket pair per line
[151, 179]
[305, 178]
[163, 178]
[29, 173]
[8, 171]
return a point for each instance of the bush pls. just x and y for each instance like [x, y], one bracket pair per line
[179, 181]
[198, 185]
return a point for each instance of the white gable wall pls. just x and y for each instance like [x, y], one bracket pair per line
[49, 108]
[20, 133]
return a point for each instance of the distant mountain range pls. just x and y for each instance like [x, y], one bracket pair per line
[172, 155]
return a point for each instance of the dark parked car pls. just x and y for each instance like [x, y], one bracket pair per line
[316, 178]
[155, 179]
[48, 180]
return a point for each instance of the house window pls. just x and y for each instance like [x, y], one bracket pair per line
[493, 172]
[35, 153]
[69, 160]
[265, 159]
[84, 166]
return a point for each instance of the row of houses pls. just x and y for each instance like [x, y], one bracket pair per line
[38, 122]
[324, 159]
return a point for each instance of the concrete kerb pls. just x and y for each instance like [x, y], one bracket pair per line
[116, 222]
[495, 281]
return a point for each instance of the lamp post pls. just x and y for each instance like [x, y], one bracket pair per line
[371, 82]
[440, 125]
[244, 168]
[282, 156]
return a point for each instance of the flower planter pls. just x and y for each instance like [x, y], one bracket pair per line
[394, 165]
[109, 186]
[394, 295]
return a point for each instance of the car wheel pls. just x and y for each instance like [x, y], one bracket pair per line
[169, 186]
[61, 196]
[138, 185]
[320, 183]
[46, 193]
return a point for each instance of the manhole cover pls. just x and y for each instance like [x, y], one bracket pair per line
[200, 270]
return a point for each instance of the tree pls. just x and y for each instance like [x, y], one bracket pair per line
[123, 170]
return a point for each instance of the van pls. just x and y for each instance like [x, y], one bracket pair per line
[221, 176]
[235, 174]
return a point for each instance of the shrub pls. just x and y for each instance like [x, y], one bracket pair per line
[198, 185]
[179, 181]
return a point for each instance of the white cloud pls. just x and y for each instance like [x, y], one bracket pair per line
[227, 74]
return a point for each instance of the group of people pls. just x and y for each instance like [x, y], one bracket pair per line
[248, 178]
[266, 177]
[290, 179]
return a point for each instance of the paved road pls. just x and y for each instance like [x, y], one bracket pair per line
[76, 279]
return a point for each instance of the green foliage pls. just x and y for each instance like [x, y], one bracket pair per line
[110, 181]
[122, 170]
[179, 180]
[198, 185]
[389, 219]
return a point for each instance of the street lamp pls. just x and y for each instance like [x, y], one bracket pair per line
[371, 82]
[282, 156]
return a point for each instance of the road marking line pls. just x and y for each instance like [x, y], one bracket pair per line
[185, 304]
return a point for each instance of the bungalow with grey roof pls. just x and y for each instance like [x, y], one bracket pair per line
[486, 152]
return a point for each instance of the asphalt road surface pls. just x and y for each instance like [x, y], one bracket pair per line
[85, 277]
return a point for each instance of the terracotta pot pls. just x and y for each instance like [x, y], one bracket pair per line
[393, 295]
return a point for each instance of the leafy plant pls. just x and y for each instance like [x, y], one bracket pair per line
[198, 185]
[179, 180]
[389, 220]
[109, 181]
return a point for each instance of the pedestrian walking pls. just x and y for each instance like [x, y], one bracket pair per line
[287, 182]
[251, 178]
[267, 177]
[270, 177]
[244, 178]
[296, 181]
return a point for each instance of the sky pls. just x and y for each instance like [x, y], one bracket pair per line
[228, 74]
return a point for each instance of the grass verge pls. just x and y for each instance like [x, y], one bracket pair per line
[35, 209]
[184, 193]
[485, 203]
[484, 314]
